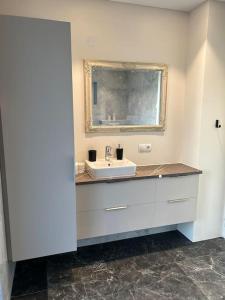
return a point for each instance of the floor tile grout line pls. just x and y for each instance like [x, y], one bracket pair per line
[192, 280]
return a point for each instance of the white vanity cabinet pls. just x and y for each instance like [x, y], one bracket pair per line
[116, 207]
[108, 208]
[176, 200]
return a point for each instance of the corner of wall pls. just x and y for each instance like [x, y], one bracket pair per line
[195, 82]
[198, 28]
[210, 148]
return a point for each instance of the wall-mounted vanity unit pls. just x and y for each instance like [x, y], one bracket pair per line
[156, 196]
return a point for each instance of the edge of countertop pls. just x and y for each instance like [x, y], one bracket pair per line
[143, 172]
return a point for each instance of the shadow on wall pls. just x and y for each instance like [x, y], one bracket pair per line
[121, 134]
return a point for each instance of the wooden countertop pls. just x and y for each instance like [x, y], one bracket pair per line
[144, 172]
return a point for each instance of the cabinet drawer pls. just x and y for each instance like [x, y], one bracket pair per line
[177, 188]
[175, 211]
[103, 195]
[114, 220]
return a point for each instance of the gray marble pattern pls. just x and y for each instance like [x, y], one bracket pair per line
[161, 266]
[144, 172]
[131, 96]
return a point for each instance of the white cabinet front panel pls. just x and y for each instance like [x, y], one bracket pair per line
[181, 187]
[103, 195]
[102, 222]
[175, 211]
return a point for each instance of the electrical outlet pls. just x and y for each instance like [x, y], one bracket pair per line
[144, 148]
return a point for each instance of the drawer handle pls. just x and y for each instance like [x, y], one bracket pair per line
[178, 200]
[116, 208]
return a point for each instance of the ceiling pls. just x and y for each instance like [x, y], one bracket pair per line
[183, 5]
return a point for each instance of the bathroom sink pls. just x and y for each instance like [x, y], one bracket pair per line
[111, 169]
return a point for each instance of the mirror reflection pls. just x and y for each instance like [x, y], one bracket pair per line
[126, 96]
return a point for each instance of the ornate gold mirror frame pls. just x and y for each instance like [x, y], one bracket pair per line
[89, 64]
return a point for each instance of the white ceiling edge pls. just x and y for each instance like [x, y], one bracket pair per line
[181, 5]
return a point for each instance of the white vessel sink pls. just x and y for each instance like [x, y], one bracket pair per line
[101, 169]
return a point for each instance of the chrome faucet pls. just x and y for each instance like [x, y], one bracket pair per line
[108, 153]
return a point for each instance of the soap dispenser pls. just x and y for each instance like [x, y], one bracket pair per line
[119, 152]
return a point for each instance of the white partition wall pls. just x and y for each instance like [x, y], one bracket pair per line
[37, 123]
[204, 104]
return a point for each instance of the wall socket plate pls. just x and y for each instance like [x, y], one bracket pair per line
[142, 148]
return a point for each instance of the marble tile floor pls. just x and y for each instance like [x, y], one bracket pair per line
[161, 266]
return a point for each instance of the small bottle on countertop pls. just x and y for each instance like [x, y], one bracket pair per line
[119, 152]
[92, 154]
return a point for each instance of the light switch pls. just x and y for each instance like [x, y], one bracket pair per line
[144, 148]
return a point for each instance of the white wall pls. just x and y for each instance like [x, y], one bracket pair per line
[198, 29]
[205, 102]
[6, 268]
[197, 44]
[113, 31]
[212, 141]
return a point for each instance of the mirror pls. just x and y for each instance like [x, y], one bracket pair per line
[125, 96]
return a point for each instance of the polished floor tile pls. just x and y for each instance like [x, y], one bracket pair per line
[161, 266]
[207, 272]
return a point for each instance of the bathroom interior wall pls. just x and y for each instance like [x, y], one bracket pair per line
[198, 29]
[127, 33]
[204, 104]
[212, 140]
[113, 31]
